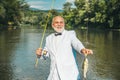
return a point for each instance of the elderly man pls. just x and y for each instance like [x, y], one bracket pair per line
[59, 47]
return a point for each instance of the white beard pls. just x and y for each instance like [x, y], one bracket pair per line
[58, 30]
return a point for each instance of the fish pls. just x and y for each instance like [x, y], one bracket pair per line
[85, 67]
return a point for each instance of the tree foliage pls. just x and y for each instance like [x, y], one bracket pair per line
[93, 12]
[11, 11]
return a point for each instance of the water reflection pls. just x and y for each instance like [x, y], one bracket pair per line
[17, 55]
[105, 61]
[8, 41]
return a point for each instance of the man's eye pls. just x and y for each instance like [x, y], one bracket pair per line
[56, 22]
[61, 22]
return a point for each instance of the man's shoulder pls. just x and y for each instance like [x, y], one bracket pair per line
[50, 35]
[70, 31]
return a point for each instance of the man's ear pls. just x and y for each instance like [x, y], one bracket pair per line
[52, 25]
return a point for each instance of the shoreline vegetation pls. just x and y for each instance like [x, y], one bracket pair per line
[87, 14]
[29, 26]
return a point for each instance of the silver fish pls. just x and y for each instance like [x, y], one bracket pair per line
[85, 67]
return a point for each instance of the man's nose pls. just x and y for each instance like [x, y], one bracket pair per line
[59, 23]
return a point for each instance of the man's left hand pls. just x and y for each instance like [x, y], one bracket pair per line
[86, 51]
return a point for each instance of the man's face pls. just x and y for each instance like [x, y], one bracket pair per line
[58, 24]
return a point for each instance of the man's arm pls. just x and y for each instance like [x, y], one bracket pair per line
[76, 43]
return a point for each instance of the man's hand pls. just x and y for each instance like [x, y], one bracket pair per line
[86, 51]
[39, 52]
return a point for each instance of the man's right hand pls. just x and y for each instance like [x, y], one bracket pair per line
[39, 52]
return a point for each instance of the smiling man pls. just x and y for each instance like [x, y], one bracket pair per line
[59, 47]
[58, 24]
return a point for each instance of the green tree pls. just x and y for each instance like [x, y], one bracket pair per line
[100, 12]
[86, 12]
[2, 14]
[113, 13]
[68, 14]
[13, 11]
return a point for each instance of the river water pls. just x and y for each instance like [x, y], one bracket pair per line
[17, 55]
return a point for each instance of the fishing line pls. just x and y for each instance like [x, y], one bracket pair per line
[85, 62]
[43, 35]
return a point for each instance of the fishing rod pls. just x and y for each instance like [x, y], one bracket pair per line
[43, 34]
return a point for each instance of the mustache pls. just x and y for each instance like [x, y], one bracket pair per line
[58, 30]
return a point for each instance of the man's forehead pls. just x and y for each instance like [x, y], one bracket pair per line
[58, 18]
